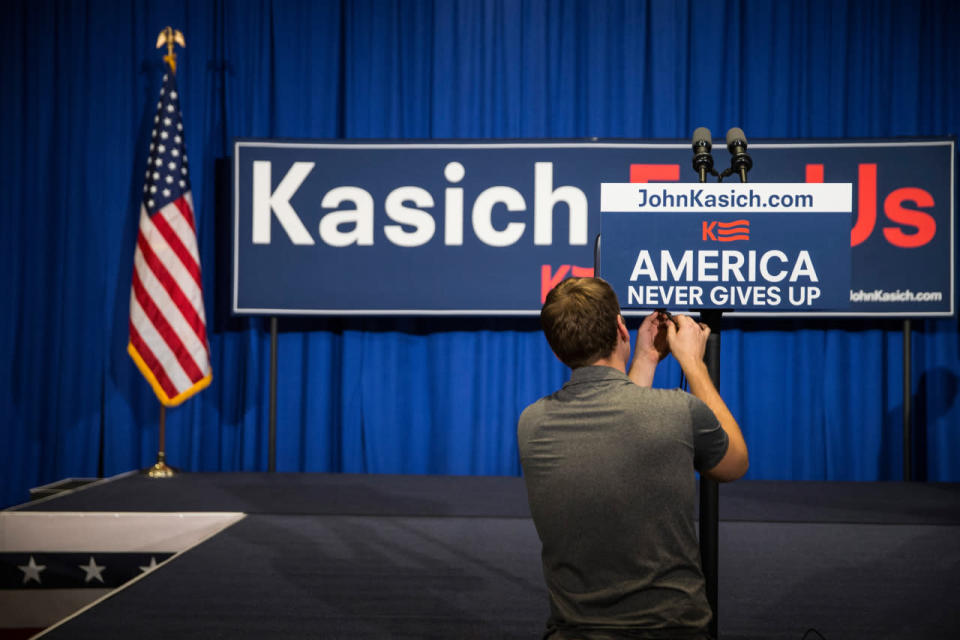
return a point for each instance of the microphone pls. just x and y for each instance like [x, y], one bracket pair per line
[740, 162]
[702, 160]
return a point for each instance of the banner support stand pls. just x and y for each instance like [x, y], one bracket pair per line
[710, 489]
[907, 397]
[272, 437]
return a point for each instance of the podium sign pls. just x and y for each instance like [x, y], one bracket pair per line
[746, 247]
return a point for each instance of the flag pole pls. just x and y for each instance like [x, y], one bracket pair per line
[168, 37]
[160, 469]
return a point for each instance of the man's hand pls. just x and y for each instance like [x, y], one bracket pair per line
[687, 340]
[651, 347]
[652, 338]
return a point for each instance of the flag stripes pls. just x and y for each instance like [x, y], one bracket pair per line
[148, 267]
[154, 326]
[168, 318]
[148, 363]
[174, 278]
[171, 236]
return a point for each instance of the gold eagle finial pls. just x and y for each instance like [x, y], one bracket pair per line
[169, 37]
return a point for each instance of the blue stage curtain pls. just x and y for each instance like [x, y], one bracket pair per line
[816, 399]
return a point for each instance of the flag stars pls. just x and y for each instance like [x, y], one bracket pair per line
[93, 570]
[150, 567]
[31, 570]
[167, 154]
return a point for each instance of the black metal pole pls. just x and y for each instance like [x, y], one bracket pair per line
[272, 452]
[710, 489]
[907, 397]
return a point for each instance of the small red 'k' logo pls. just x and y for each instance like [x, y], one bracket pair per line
[725, 231]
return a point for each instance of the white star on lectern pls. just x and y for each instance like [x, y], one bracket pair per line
[31, 570]
[150, 567]
[93, 570]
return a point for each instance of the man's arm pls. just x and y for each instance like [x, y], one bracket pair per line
[688, 341]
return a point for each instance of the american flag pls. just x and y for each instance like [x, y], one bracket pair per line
[168, 336]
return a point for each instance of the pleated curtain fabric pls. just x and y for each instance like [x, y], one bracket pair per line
[816, 399]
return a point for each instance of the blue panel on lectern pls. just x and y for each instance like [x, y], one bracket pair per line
[784, 262]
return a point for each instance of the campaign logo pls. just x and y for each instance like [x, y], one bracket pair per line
[725, 231]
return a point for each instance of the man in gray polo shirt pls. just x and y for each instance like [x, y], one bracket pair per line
[608, 463]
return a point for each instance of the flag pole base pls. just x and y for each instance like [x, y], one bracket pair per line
[160, 469]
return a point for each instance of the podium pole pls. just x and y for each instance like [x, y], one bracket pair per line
[710, 489]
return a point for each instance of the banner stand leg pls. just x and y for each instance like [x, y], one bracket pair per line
[272, 449]
[907, 397]
[710, 489]
[160, 469]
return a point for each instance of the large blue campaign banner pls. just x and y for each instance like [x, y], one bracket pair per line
[488, 228]
[766, 247]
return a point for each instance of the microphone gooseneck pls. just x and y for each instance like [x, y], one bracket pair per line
[702, 159]
[740, 161]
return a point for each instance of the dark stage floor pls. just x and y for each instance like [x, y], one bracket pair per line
[378, 556]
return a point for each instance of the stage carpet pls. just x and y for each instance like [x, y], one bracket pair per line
[381, 556]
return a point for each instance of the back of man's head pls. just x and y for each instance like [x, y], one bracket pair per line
[579, 319]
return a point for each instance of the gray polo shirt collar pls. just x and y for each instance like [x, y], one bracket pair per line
[583, 375]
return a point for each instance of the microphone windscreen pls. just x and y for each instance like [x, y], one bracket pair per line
[702, 136]
[736, 135]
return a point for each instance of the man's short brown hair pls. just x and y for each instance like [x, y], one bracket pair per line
[579, 319]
